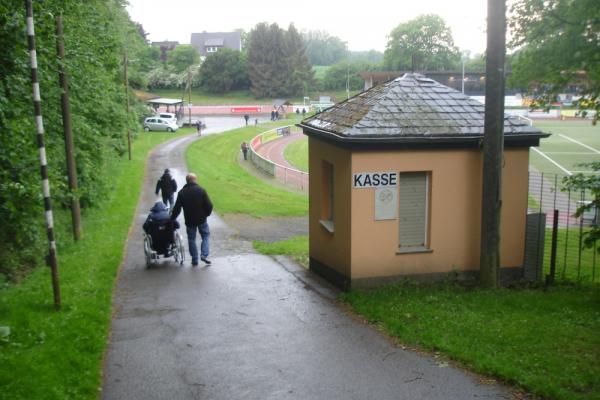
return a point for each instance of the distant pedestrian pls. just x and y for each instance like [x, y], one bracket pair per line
[167, 187]
[246, 117]
[255, 121]
[199, 127]
[244, 148]
[276, 115]
[196, 208]
[273, 115]
[303, 112]
[297, 111]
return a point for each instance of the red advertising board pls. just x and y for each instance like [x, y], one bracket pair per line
[246, 109]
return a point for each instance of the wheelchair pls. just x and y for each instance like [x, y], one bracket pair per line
[163, 240]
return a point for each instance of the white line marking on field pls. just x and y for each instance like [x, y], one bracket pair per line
[579, 143]
[552, 161]
[578, 153]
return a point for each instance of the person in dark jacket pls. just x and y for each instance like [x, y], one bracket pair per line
[159, 214]
[196, 208]
[167, 186]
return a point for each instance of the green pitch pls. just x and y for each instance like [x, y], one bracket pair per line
[571, 143]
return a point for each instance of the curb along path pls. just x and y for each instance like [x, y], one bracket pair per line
[250, 327]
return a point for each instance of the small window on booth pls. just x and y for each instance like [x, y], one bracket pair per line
[414, 211]
[327, 193]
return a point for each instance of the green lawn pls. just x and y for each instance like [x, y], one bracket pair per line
[544, 341]
[234, 190]
[295, 247]
[297, 154]
[561, 148]
[46, 354]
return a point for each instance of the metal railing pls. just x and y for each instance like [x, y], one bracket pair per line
[572, 261]
[284, 174]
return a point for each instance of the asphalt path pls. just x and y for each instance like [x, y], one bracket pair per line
[251, 327]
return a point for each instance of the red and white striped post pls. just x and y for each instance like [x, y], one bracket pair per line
[37, 105]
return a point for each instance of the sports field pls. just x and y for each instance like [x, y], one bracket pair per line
[571, 143]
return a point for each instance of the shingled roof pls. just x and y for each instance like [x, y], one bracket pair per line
[412, 109]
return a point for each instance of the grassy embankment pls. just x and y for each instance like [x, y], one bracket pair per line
[543, 341]
[297, 154]
[46, 354]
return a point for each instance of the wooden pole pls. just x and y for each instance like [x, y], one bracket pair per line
[189, 97]
[37, 106]
[67, 128]
[493, 144]
[125, 61]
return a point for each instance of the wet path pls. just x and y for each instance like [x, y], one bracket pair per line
[251, 327]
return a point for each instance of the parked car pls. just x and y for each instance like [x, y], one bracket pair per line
[159, 124]
[169, 116]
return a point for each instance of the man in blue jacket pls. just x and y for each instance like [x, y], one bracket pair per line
[196, 208]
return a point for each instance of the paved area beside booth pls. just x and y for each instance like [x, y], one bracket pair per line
[252, 327]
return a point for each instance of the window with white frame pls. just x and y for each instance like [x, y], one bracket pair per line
[414, 211]
[212, 49]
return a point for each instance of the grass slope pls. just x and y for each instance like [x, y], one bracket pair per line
[234, 190]
[544, 341]
[46, 354]
[297, 154]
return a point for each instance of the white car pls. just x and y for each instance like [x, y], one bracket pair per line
[168, 116]
[160, 124]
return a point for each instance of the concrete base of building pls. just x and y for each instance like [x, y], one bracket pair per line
[508, 276]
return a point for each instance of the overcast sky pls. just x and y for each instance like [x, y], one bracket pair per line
[364, 25]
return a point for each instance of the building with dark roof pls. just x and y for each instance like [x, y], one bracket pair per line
[211, 42]
[396, 181]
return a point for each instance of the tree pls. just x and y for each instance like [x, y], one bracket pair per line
[182, 57]
[323, 49]
[267, 64]
[591, 184]
[557, 44]
[223, 71]
[424, 43]
[300, 73]
[337, 75]
[97, 34]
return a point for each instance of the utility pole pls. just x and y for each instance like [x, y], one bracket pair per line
[189, 82]
[66, 117]
[39, 124]
[347, 72]
[493, 144]
[125, 61]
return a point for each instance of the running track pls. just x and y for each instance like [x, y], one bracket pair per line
[284, 171]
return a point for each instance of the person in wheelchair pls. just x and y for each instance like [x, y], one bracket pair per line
[160, 228]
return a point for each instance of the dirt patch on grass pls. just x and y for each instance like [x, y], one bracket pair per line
[267, 229]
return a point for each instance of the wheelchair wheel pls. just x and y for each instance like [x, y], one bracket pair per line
[179, 251]
[148, 250]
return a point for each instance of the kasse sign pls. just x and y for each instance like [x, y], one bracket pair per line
[374, 179]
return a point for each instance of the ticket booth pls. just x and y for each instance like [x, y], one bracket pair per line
[396, 181]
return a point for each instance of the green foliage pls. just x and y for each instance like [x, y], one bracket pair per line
[426, 39]
[223, 71]
[371, 56]
[182, 57]
[591, 184]
[300, 74]
[324, 49]
[557, 45]
[97, 34]
[58, 355]
[277, 64]
[544, 341]
[337, 75]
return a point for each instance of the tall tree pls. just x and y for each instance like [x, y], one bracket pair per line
[557, 44]
[300, 74]
[267, 64]
[183, 57]
[223, 71]
[424, 43]
[324, 49]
